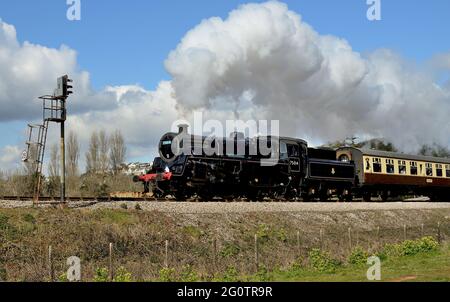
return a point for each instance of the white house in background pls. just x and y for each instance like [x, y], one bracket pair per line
[136, 168]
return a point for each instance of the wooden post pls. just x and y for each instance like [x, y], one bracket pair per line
[422, 233]
[439, 239]
[50, 264]
[215, 253]
[321, 239]
[256, 254]
[404, 233]
[298, 241]
[166, 257]
[111, 273]
[357, 238]
[378, 235]
[350, 238]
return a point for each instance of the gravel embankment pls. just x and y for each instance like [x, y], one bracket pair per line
[246, 207]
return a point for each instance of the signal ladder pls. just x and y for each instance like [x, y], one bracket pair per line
[53, 110]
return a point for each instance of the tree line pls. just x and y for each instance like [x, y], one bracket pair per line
[104, 158]
[434, 150]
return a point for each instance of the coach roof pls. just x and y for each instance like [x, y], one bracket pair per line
[377, 153]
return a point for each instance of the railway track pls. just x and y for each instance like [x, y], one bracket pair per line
[106, 199]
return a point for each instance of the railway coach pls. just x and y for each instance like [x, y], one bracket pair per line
[389, 174]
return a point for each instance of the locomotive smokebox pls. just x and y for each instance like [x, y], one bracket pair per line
[183, 128]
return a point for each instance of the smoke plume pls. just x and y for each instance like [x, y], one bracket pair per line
[263, 61]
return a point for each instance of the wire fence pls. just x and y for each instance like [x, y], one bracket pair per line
[208, 255]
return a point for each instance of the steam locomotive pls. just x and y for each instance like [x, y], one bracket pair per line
[288, 170]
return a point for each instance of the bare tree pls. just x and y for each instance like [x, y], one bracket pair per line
[73, 154]
[92, 154]
[118, 150]
[103, 151]
[53, 166]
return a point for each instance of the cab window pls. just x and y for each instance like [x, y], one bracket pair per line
[283, 150]
[293, 150]
[447, 170]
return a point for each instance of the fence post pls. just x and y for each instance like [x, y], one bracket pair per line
[405, 237]
[298, 241]
[50, 264]
[439, 239]
[350, 238]
[215, 253]
[111, 273]
[378, 235]
[422, 230]
[256, 254]
[321, 239]
[166, 255]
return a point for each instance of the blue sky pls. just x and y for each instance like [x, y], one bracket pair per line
[122, 42]
[126, 42]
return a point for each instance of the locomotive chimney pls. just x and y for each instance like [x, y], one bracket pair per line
[183, 128]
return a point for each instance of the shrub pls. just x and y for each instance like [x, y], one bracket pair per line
[230, 275]
[101, 275]
[410, 248]
[358, 256]
[322, 261]
[230, 250]
[122, 275]
[167, 275]
[263, 233]
[137, 207]
[263, 275]
[29, 218]
[189, 275]
[3, 275]
[124, 206]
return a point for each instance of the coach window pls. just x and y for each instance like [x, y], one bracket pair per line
[402, 167]
[390, 166]
[429, 169]
[439, 170]
[413, 168]
[367, 164]
[377, 165]
[447, 169]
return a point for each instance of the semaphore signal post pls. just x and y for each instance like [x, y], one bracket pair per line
[53, 110]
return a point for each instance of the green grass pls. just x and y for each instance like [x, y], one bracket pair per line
[432, 266]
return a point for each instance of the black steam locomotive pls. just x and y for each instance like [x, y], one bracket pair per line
[288, 171]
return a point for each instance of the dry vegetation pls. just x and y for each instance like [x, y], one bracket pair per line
[139, 239]
[104, 158]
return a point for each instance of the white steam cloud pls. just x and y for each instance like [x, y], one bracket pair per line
[263, 61]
